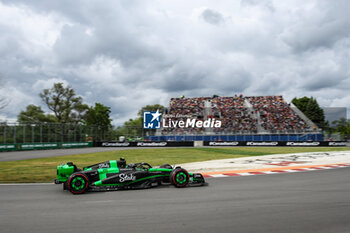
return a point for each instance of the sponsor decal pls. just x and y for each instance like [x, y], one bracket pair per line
[75, 144]
[115, 144]
[196, 175]
[337, 143]
[126, 177]
[151, 144]
[103, 165]
[262, 143]
[223, 143]
[7, 146]
[303, 143]
[39, 145]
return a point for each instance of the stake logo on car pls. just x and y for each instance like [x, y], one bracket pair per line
[126, 177]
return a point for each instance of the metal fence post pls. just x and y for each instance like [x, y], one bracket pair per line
[55, 132]
[15, 134]
[75, 136]
[41, 132]
[24, 133]
[32, 133]
[62, 132]
[80, 139]
[5, 133]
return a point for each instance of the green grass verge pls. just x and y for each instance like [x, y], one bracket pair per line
[44, 169]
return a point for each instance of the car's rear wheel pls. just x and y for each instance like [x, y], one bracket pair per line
[179, 177]
[78, 183]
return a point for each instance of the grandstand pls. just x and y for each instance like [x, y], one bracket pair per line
[250, 118]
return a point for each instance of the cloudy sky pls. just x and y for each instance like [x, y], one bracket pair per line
[127, 54]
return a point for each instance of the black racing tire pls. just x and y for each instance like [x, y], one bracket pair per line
[78, 183]
[179, 177]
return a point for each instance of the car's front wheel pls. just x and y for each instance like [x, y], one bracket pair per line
[179, 177]
[78, 183]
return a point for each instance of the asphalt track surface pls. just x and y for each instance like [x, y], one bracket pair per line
[316, 201]
[35, 154]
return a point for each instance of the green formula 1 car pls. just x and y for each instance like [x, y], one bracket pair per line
[116, 175]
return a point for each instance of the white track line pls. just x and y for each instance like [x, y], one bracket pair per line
[270, 172]
[246, 174]
[291, 170]
[219, 175]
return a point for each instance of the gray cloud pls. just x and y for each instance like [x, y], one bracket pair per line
[127, 54]
[320, 27]
[212, 16]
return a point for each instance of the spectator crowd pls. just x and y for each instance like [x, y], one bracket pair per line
[182, 109]
[276, 115]
[234, 115]
[238, 114]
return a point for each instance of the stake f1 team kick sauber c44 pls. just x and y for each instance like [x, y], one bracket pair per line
[116, 175]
